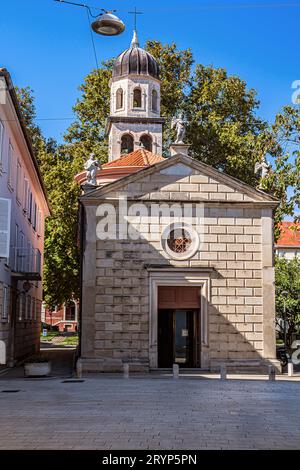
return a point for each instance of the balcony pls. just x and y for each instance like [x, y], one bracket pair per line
[26, 264]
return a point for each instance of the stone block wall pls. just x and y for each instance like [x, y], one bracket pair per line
[231, 243]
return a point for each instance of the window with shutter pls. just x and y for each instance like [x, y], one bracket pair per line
[10, 166]
[25, 195]
[29, 212]
[15, 258]
[38, 262]
[18, 183]
[21, 253]
[39, 223]
[34, 215]
[28, 257]
[5, 214]
[6, 303]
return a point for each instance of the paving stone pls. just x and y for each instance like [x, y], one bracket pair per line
[146, 413]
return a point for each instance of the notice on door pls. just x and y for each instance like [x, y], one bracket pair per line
[184, 333]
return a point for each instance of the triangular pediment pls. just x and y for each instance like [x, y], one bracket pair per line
[180, 178]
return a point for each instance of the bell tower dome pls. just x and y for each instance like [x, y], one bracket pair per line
[134, 122]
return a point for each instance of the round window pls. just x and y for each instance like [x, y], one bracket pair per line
[180, 241]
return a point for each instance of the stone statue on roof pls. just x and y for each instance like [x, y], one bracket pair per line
[262, 168]
[179, 124]
[91, 166]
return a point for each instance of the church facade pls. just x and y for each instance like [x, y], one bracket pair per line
[177, 257]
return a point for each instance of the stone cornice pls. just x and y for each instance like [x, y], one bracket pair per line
[133, 120]
[258, 195]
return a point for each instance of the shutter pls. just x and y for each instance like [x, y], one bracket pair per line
[34, 215]
[6, 303]
[25, 196]
[10, 174]
[39, 223]
[29, 205]
[5, 214]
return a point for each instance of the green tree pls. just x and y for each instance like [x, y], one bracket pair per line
[61, 260]
[87, 133]
[287, 281]
[223, 128]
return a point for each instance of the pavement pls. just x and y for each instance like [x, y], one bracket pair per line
[154, 412]
[62, 363]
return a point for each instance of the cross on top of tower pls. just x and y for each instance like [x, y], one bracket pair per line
[135, 13]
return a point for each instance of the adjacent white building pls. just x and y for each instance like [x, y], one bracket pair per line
[23, 208]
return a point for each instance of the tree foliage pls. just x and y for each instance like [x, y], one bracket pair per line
[287, 280]
[61, 260]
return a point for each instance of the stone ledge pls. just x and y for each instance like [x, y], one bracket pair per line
[112, 365]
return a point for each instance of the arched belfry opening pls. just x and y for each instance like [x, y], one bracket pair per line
[119, 99]
[146, 142]
[154, 103]
[137, 98]
[127, 144]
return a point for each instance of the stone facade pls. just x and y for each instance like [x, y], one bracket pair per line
[23, 208]
[233, 267]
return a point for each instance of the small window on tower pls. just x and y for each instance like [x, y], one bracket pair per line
[137, 98]
[119, 99]
[154, 100]
[146, 142]
[126, 144]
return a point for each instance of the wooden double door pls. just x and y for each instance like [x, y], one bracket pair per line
[179, 326]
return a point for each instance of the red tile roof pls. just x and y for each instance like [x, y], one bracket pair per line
[290, 234]
[138, 158]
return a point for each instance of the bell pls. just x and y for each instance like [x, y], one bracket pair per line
[108, 24]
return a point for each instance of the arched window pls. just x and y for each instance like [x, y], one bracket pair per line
[146, 142]
[154, 100]
[126, 143]
[70, 311]
[119, 99]
[137, 98]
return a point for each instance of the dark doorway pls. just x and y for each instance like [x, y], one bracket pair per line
[178, 338]
[179, 326]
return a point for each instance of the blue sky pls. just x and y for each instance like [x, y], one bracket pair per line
[47, 45]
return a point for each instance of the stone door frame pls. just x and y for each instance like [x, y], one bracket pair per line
[179, 277]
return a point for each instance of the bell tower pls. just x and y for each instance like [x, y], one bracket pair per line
[134, 122]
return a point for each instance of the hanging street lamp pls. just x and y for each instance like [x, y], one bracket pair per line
[106, 23]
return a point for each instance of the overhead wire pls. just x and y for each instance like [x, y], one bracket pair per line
[158, 10]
